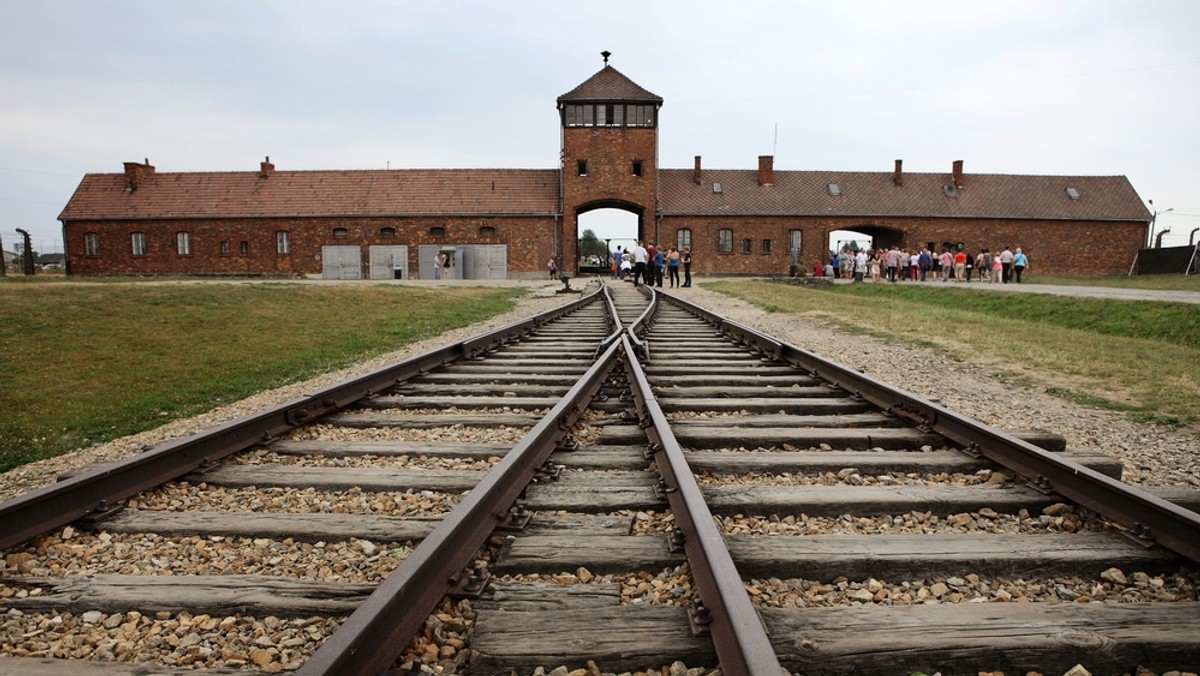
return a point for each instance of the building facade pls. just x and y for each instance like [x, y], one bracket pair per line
[502, 223]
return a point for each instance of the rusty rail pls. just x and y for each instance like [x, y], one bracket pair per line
[382, 627]
[98, 491]
[724, 607]
[1147, 517]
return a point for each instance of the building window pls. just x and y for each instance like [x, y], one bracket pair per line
[183, 243]
[137, 242]
[341, 232]
[794, 241]
[725, 241]
[487, 231]
[637, 167]
[387, 233]
[224, 247]
[245, 248]
[282, 245]
[581, 166]
[91, 244]
[437, 231]
[683, 238]
[766, 246]
[747, 245]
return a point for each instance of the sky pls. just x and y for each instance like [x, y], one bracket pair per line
[1066, 87]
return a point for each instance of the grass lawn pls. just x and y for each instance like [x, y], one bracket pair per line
[1158, 282]
[86, 363]
[1139, 357]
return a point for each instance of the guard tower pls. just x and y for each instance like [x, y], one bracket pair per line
[609, 153]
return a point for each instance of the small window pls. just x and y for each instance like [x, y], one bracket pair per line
[224, 247]
[183, 243]
[245, 248]
[637, 167]
[716, 186]
[341, 232]
[91, 244]
[581, 166]
[766, 246]
[387, 233]
[137, 243]
[747, 245]
[487, 231]
[437, 231]
[725, 241]
[834, 189]
[683, 238]
[282, 246]
[1073, 193]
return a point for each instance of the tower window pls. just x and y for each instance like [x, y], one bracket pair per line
[637, 167]
[581, 166]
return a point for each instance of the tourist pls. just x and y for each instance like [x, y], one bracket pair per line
[1020, 263]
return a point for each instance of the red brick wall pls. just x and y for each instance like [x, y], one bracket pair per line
[1053, 247]
[610, 153]
[528, 240]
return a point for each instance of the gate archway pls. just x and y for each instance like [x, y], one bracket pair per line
[613, 223]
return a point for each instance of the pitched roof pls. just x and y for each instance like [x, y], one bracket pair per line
[409, 192]
[609, 85]
[873, 194]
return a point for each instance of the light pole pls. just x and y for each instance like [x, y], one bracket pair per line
[1153, 219]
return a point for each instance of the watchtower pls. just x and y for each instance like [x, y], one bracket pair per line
[609, 153]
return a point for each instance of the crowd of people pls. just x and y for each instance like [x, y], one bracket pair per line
[953, 263]
[651, 264]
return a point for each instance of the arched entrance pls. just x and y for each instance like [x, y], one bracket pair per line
[602, 227]
[865, 236]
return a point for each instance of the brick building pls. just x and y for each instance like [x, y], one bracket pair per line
[498, 223]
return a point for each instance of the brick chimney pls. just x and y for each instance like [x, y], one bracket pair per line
[766, 170]
[265, 168]
[897, 176]
[696, 172]
[957, 172]
[135, 173]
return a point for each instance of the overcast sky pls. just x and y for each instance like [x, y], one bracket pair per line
[1072, 87]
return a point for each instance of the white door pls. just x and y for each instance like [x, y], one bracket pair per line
[388, 261]
[486, 261]
[341, 262]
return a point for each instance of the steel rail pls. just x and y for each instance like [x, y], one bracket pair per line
[737, 632]
[375, 635]
[1148, 518]
[100, 490]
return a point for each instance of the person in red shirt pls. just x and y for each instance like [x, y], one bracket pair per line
[960, 266]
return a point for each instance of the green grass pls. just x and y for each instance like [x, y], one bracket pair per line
[1158, 282]
[1142, 358]
[86, 363]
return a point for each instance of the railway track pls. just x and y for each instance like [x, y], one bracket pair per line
[564, 492]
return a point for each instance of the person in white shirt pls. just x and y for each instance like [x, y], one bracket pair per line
[639, 263]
